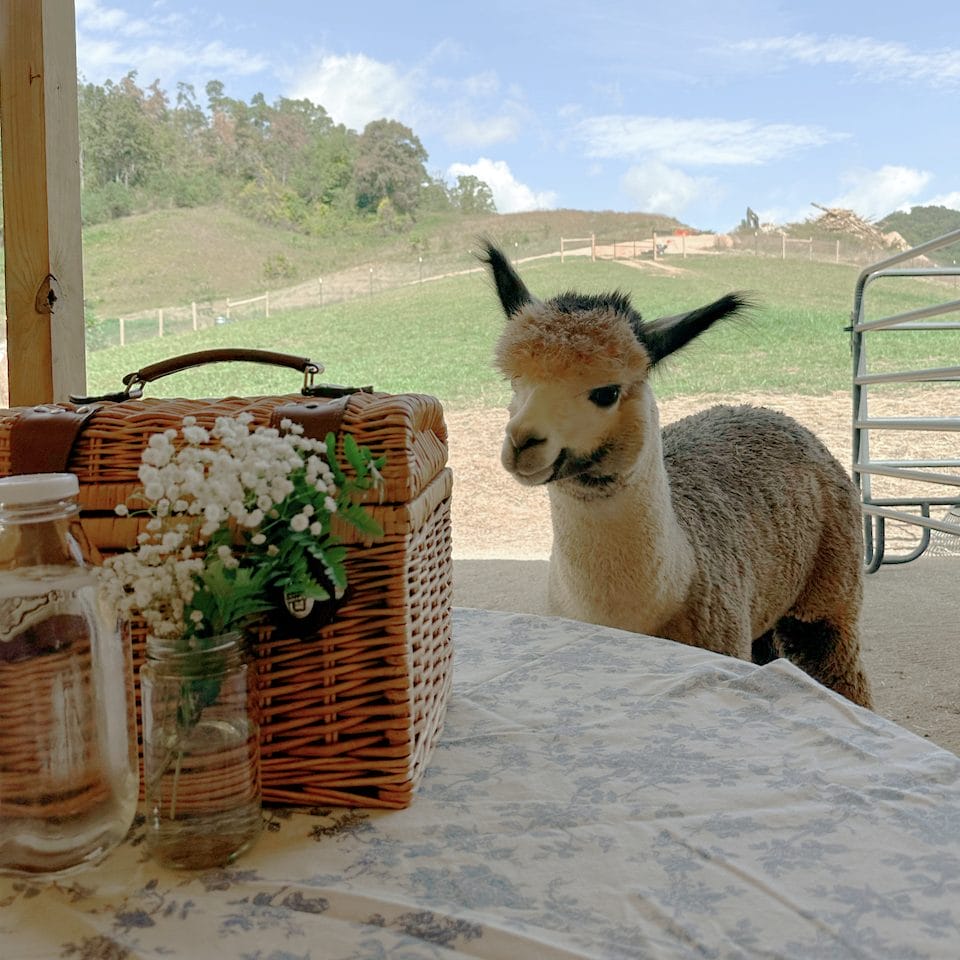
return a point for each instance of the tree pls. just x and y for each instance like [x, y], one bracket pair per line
[389, 165]
[118, 133]
[472, 195]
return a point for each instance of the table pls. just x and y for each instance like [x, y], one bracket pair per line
[594, 794]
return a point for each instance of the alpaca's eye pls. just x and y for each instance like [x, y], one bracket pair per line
[605, 396]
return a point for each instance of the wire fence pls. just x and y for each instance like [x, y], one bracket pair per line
[372, 279]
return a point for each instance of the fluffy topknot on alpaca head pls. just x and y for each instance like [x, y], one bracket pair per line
[593, 336]
[602, 334]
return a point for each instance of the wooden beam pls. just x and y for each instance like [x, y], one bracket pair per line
[39, 134]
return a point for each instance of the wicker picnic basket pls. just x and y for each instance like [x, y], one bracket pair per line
[350, 711]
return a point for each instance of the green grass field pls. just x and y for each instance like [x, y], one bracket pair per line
[438, 337]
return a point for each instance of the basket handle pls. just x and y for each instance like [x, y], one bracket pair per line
[135, 381]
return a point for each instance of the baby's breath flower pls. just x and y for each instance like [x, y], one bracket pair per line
[213, 500]
[299, 523]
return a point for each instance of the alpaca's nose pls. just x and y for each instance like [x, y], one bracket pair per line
[520, 444]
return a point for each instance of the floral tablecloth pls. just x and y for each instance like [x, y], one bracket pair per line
[594, 794]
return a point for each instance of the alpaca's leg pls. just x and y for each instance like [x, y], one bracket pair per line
[829, 652]
[763, 649]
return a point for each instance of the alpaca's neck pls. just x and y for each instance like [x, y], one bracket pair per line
[622, 559]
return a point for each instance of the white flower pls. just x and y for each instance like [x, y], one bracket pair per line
[121, 510]
[231, 482]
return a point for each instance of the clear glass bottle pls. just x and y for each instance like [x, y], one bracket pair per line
[69, 777]
[201, 751]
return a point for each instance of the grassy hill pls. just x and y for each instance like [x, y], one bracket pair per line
[438, 337]
[172, 257]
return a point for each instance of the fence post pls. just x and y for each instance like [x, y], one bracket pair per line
[593, 247]
[160, 322]
[123, 339]
[837, 260]
[783, 246]
[320, 281]
[654, 244]
[371, 281]
[420, 267]
[193, 313]
[266, 305]
[756, 243]
[228, 308]
[683, 246]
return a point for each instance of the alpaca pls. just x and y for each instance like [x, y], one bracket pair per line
[734, 529]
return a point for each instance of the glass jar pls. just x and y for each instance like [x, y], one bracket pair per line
[69, 777]
[201, 751]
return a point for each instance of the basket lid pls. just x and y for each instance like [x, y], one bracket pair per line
[36, 487]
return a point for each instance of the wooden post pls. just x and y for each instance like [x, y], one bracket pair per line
[811, 249]
[160, 322]
[783, 246]
[654, 244]
[39, 130]
[228, 309]
[593, 247]
[266, 305]
[193, 313]
[683, 246]
[320, 282]
[123, 338]
[837, 260]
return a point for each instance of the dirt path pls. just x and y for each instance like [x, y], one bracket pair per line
[493, 516]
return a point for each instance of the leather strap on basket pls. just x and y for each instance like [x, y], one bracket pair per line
[317, 417]
[42, 438]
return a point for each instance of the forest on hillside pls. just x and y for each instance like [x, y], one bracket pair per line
[284, 163]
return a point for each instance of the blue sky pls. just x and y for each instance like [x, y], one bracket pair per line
[696, 110]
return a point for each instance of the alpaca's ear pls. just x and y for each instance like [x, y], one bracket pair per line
[510, 288]
[668, 334]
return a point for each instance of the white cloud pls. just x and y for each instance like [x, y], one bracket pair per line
[465, 131]
[875, 193]
[872, 59]
[657, 188]
[951, 200]
[697, 142]
[111, 43]
[509, 195]
[354, 90]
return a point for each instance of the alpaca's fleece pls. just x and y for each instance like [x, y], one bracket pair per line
[734, 529]
[545, 345]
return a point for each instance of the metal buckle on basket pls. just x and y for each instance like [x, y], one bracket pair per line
[134, 387]
[310, 370]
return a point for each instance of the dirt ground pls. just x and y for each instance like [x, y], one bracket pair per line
[493, 516]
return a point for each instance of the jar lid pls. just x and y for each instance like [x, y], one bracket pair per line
[34, 487]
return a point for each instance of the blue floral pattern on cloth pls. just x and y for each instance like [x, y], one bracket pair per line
[595, 794]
